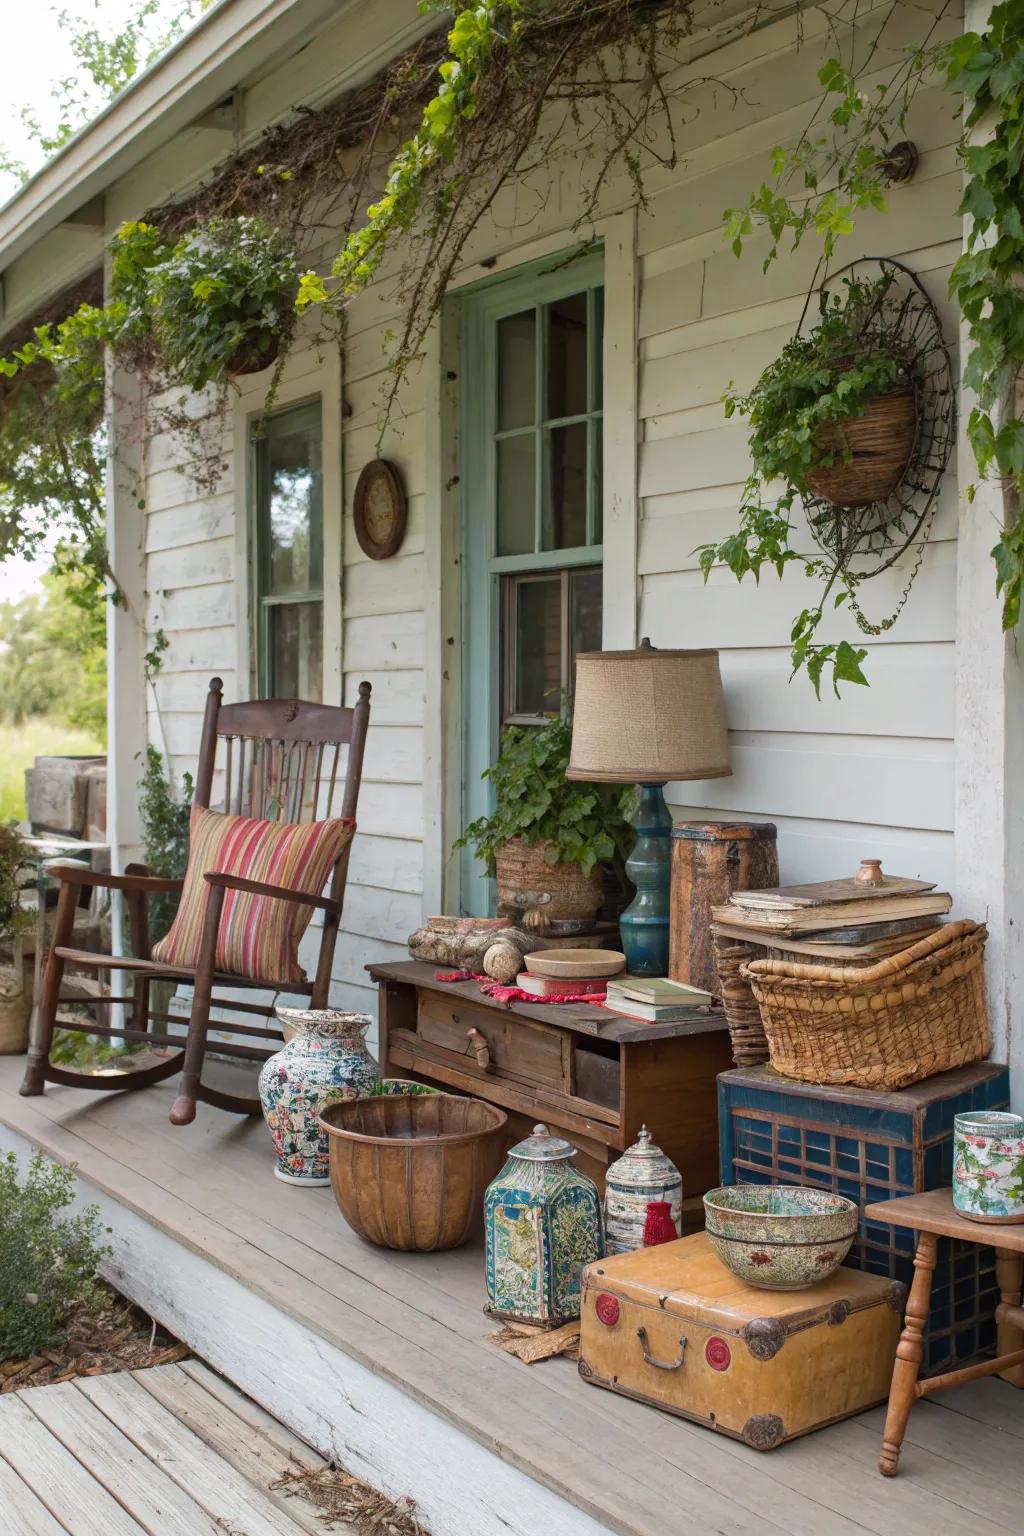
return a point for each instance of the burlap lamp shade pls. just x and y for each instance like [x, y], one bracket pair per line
[648, 717]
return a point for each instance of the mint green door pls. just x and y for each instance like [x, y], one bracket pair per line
[531, 429]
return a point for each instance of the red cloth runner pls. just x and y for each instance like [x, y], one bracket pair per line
[509, 995]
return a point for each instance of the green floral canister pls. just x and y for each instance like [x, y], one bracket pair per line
[542, 1224]
[988, 1166]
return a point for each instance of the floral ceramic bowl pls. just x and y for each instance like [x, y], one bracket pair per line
[777, 1237]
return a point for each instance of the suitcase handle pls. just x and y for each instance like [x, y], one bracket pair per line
[661, 1365]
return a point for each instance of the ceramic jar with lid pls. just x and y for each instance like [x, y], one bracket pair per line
[988, 1166]
[324, 1060]
[641, 1175]
[542, 1223]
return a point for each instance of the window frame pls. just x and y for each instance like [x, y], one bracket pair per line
[261, 600]
[482, 306]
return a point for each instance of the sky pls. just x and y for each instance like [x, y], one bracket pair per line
[35, 51]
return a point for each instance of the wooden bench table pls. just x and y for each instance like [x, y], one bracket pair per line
[932, 1216]
[591, 1074]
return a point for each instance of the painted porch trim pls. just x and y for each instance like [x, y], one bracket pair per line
[621, 585]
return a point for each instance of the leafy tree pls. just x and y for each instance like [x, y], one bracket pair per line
[53, 652]
[107, 60]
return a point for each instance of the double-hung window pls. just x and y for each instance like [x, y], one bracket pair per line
[532, 442]
[288, 553]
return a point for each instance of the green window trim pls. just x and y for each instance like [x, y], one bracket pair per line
[486, 572]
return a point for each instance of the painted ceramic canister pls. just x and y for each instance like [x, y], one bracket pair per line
[542, 1224]
[643, 1173]
[325, 1059]
[988, 1166]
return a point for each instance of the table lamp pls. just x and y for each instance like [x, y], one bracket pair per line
[648, 717]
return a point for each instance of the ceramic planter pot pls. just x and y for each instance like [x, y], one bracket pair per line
[988, 1166]
[777, 1237]
[409, 1170]
[325, 1060]
[549, 898]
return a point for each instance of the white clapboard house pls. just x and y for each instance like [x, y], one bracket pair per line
[923, 769]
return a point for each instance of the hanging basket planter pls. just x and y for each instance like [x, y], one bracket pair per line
[870, 452]
[253, 359]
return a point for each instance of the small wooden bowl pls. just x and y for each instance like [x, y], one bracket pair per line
[409, 1172]
[581, 964]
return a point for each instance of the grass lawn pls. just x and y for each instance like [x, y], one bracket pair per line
[21, 744]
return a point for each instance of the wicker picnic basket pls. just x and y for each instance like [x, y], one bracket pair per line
[916, 1013]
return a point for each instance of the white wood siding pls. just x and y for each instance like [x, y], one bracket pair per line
[870, 774]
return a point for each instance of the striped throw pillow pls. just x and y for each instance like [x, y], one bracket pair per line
[259, 935]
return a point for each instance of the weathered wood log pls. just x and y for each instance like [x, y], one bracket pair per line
[710, 860]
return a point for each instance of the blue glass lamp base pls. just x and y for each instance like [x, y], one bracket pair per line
[644, 924]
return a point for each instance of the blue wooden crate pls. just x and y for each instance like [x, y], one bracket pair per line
[872, 1146]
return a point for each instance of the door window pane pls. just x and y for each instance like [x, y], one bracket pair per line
[547, 620]
[517, 492]
[538, 642]
[597, 478]
[586, 613]
[565, 523]
[517, 370]
[567, 357]
[295, 650]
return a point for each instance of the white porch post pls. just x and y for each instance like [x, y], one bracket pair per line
[126, 642]
[989, 808]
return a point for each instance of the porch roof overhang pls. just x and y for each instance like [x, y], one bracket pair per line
[231, 47]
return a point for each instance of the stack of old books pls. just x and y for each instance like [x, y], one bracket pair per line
[657, 999]
[864, 918]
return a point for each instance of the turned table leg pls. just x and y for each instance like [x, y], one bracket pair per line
[909, 1354]
[1009, 1275]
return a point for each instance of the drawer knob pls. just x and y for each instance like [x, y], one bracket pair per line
[481, 1050]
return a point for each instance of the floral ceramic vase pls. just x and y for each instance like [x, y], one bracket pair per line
[325, 1059]
[542, 1224]
[988, 1166]
[643, 1173]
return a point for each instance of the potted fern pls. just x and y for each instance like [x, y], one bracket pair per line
[549, 839]
[216, 304]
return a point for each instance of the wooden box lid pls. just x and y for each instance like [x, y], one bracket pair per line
[687, 1279]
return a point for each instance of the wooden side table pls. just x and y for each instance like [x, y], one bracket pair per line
[933, 1216]
[594, 1075]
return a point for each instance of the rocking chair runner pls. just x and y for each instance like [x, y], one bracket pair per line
[280, 762]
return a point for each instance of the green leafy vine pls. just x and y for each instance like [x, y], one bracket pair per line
[818, 187]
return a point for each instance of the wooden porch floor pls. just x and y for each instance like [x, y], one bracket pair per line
[148, 1453]
[416, 1321]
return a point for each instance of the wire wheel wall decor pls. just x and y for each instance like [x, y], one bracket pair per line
[866, 538]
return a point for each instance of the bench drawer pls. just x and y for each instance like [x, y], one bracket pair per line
[485, 1042]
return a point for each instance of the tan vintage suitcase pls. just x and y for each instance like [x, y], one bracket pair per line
[673, 1327]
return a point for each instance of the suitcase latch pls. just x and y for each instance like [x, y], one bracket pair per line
[661, 1365]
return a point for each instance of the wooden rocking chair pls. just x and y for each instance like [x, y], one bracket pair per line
[280, 762]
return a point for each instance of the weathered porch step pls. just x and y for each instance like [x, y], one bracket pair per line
[148, 1453]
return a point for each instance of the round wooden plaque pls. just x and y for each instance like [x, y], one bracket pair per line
[380, 510]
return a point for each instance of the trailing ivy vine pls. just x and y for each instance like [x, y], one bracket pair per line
[819, 186]
[409, 166]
